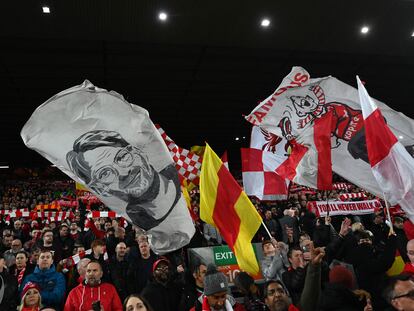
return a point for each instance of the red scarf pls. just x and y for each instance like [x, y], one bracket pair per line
[206, 306]
[20, 276]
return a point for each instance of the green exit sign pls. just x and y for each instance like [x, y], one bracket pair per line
[223, 256]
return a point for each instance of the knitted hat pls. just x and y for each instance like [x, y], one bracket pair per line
[29, 285]
[214, 281]
[162, 259]
[341, 275]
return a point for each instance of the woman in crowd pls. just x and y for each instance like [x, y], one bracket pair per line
[135, 302]
[22, 268]
[31, 300]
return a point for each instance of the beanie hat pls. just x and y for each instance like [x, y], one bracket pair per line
[29, 285]
[341, 275]
[214, 281]
[162, 259]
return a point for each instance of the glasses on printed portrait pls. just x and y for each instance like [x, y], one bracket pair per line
[128, 171]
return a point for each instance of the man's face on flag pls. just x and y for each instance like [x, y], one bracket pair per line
[119, 170]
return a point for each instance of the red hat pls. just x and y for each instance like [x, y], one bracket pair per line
[340, 274]
[29, 285]
[162, 259]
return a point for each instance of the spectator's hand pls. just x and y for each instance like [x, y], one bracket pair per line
[180, 269]
[283, 247]
[328, 220]
[345, 227]
[316, 254]
[274, 242]
[307, 256]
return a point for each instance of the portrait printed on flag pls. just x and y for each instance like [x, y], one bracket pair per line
[113, 148]
[111, 166]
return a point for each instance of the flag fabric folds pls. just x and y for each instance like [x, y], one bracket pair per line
[391, 164]
[259, 162]
[224, 205]
[300, 104]
[113, 148]
[259, 177]
[310, 163]
[188, 163]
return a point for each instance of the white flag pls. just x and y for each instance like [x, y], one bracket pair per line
[113, 148]
[392, 165]
[300, 102]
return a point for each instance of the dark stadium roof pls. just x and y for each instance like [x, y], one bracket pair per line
[199, 71]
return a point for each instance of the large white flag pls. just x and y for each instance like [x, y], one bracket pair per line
[392, 165]
[112, 147]
[300, 102]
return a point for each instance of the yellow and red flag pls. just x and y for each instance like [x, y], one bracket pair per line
[398, 265]
[224, 205]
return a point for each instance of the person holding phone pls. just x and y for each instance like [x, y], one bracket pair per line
[92, 293]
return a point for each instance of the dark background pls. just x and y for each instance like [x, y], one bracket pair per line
[204, 68]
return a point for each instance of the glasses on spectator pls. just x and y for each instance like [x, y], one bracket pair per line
[271, 292]
[410, 295]
[15, 245]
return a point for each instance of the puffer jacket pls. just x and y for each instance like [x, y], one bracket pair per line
[52, 286]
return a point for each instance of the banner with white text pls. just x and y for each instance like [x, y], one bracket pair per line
[321, 208]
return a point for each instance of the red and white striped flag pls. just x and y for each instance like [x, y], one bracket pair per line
[341, 186]
[347, 196]
[391, 164]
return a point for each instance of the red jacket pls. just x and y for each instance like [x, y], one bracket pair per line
[81, 297]
[204, 306]
[408, 268]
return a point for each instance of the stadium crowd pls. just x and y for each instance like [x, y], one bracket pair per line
[308, 263]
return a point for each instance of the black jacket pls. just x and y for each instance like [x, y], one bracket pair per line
[118, 271]
[162, 298]
[336, 297]
[139, 273]
[294, 280]
[8, 283]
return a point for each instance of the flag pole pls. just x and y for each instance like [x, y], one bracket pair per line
[387, 207]
[267, 230]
